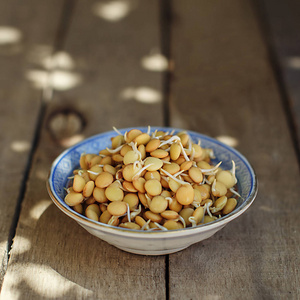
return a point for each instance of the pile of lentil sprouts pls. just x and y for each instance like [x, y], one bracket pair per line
[152, 181]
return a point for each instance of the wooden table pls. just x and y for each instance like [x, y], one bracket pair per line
[71, 69]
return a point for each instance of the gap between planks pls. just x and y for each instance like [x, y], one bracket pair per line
[166, 23]
[165, 40]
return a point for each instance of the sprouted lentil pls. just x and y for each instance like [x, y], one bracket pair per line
[152, 181]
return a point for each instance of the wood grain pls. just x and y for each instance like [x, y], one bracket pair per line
[103, 74]
[115, 88]
[20, 43]
[280, 21]
[53, 257]
[225, 87]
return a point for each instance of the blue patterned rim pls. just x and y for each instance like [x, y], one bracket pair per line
[67, 161]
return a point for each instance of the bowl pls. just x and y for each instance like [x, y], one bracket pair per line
[151, 242]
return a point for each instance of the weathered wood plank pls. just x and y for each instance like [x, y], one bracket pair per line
[281, 21]
[225, 86]
[122, 87]
[62, 259]
[21, 40]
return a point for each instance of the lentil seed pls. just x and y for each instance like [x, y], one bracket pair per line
[117, 208]
[226, 178]
[174, 185]
[172, 225]
[197, 150]
[198, 214]
[229, 206]
[175, 205]
[132, 134]
[125, 149]
[208, 219]
[186, 165]
[152, 145]
[175, 151]
[159, 153]
[129, 172]
[88, 189]
[104, 179]
[195, 174]
[78, 183]
[105, 217]
[154, 163]
[130, 157]
[169, 214]
[142, 150]
[114, 193]
[154, 217]
[185, 213]
[99, 195]
[142, 139]
[73, 198]
[219, 189]
[117, 158]
[78, 208]
[106, 160]
[109, 169]
[117, 141]
[158, 204]
[132, 200]
[185, 194]
[140, 221]
[95, 160]
[94, 172]
[90, 200]
[172, 168]
[203, 191]
[139, 184]
[130, 225]
[153, 187]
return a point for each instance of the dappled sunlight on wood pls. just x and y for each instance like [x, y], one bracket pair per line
[11, 41]
[228, 140]
[59, 79]
[3, 246]
[48, 283]
[115, 10]
[20, 146]
[155, 62]
[43, 56]
[72, 140]
[142, 94]
[26, 245]
[9, 35]
[60, 60]
[54, 70]
[39, 208]
[293, 62]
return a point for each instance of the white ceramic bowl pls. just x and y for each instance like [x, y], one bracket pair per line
[151, 242]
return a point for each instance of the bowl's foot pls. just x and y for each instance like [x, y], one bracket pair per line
[152, 252]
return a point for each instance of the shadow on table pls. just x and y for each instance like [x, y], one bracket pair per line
[61, 260]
